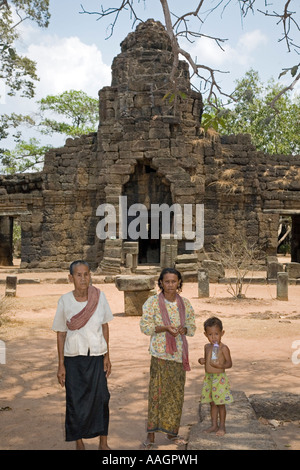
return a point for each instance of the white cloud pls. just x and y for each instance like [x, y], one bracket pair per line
[249, 42]
[62, 64]
[67, 63]
[243, 53]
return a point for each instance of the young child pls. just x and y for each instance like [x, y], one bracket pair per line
[216, 389]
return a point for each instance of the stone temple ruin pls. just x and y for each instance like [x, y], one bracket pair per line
[150, 151]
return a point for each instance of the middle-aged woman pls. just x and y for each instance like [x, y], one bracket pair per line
[168, 318]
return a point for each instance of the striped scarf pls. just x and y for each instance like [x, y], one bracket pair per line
[170, 340]
[81, 318]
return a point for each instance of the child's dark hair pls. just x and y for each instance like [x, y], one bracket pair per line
[76, 263]
[170, 271]
[213, 321]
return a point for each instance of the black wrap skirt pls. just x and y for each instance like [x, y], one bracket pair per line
[87, 398]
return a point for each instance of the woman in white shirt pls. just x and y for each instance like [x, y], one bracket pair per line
[81, 323]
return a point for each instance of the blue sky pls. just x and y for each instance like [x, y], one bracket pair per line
[74, 52]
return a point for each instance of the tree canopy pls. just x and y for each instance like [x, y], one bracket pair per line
[19, 72]
[272, 130]
[78, 112]
[71, 113]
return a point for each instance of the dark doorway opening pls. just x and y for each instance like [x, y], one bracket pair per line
[295, 239]
[147, 187]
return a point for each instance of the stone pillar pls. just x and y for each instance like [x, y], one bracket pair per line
[203, 283]
[168, 251]
[282, 286]
[11, 286]
[273, 268]
[136, 290]
[130, 252]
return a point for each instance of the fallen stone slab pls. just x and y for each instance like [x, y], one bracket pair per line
[276, 405]
[134, 283]
[243, 430]
[136, 289]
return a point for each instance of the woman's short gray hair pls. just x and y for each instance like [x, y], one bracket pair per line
[77, 263]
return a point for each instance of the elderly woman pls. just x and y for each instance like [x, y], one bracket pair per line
[168, 318]
[81, 323]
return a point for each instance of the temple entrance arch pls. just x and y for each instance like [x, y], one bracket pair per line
[146, 187]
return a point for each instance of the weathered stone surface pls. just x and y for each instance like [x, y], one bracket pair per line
[11, 286]
[293, 270]
[203, 283]
[214, 270]
[273, 268]
[152, 153]
[282, 286]
[134, 301]
[132, 283]
[276, 405]
[243, 430]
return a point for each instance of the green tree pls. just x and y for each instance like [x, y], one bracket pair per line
[79, 112]
[273, 130]
[26, 156]
[19, 72]
[78, 115]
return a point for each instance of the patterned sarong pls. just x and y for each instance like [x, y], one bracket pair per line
[166, 395]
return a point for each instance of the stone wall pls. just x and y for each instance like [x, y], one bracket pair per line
[152, 151]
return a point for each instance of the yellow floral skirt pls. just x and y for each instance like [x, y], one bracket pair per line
[166, 396]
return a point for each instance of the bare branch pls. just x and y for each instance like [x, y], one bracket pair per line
[286, 18]
[125, 5]
[191, 13]
[182, 28]
[284, 90]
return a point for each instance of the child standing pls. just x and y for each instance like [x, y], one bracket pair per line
[216, 389]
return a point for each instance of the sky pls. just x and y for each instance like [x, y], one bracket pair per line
[75, 52]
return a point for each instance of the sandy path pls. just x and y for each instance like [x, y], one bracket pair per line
[259, 330]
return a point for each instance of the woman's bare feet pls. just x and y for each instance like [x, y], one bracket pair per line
[103, 443]
[80, 445]
[148, 444]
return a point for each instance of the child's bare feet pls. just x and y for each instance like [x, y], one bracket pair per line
[221, 432]
[211, 429]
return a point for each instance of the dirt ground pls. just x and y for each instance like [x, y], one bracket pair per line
[259, 330]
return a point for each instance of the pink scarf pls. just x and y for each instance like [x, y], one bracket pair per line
[81, 318]
[170, 340]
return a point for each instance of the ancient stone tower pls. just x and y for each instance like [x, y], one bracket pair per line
[149, 150]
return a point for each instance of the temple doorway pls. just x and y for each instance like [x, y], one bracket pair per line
[295, 238]
[146, 187]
